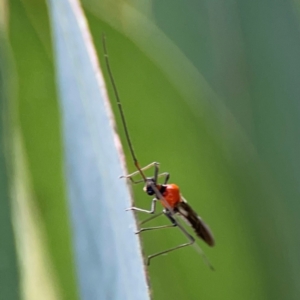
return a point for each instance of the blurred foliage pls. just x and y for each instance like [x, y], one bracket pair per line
[9, 273]
[210, 90]
[37, 115]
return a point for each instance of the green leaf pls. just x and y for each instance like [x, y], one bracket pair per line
[236, 156]
[39, 157]
[9, 272]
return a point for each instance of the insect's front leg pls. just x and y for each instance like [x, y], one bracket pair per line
[157, 175]
[167, 176]
[129, 176]
[151, 211]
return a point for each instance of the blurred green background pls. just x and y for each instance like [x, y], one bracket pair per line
[211, 90]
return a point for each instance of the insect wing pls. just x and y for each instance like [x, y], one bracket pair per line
[200, 228]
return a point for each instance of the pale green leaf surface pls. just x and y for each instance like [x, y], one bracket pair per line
[109, 261]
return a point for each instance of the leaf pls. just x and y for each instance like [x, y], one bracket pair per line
[108, 256]
[9, 273]
[40, 184]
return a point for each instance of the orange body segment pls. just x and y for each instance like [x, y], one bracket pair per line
[172, 195]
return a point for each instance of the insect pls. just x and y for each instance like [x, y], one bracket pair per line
[168, 194]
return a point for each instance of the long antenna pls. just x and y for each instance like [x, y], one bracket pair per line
[136, 163]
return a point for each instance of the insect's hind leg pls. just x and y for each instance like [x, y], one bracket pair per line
[190, 238]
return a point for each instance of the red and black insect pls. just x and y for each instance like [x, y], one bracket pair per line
[168, 194]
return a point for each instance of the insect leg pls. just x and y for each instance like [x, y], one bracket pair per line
[135, 182]
[151, 218]
[156, 164]
[197, 247]
[151, 211]
[190, 238]
[156, 227]
[167, 177]
[156, 170]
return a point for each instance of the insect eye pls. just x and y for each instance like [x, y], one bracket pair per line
[149, 190]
